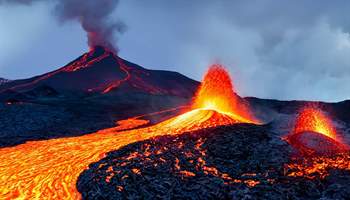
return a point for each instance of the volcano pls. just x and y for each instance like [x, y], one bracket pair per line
[215, 104]
[98, 87]
[100, 71]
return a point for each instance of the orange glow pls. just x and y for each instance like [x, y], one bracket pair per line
[312, 119]
[116, 83]
[217, 93]
[49, 169]
[319, 166]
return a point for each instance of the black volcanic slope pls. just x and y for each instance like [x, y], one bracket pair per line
[86, 95]
[233, 162]
[100, 68]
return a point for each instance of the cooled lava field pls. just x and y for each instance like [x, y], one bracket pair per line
[229, 162]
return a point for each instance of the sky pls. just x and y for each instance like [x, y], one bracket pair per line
[279, 49]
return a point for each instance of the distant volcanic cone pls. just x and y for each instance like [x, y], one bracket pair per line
[314, 133]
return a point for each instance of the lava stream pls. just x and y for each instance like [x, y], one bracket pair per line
[116, 83]
[49, 169]
[75, 66]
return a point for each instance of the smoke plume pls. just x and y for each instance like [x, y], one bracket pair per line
[93, 15]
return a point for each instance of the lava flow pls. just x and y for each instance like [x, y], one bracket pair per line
[315, 137]
[49, 169]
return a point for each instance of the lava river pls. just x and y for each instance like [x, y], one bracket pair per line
[49, 169]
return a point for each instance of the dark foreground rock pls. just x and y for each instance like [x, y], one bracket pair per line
[235, 162]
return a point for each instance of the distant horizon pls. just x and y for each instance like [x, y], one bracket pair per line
[299, 51]
[312, 100]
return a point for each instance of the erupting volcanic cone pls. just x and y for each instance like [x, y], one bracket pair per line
[215, 104]
[314, 133]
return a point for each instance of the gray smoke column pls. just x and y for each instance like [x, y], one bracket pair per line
[93, 15]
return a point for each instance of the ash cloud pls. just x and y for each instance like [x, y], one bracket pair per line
[94, 17]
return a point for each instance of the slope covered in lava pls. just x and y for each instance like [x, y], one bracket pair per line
[240, 161]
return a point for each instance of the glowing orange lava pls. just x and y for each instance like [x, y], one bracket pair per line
[49, 169]
[312, 119]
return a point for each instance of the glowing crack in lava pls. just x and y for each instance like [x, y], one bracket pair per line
[49, 169]
[315, 137]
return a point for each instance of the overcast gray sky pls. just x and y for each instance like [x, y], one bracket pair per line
[272, 48]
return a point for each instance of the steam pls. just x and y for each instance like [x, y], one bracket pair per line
[93, 15]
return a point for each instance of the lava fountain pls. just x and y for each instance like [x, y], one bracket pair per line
[49, 169]
[217, 93]
[314, 133]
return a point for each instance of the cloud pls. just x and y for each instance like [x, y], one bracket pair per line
[274, 49]
[288, 49]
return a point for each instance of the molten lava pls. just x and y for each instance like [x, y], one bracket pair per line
[49, 169]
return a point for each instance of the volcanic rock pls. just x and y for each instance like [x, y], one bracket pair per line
[216, 163]
[231, 162]
[316, 143]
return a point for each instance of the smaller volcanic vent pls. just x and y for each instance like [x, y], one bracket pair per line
[314, 133]
[312, 119]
